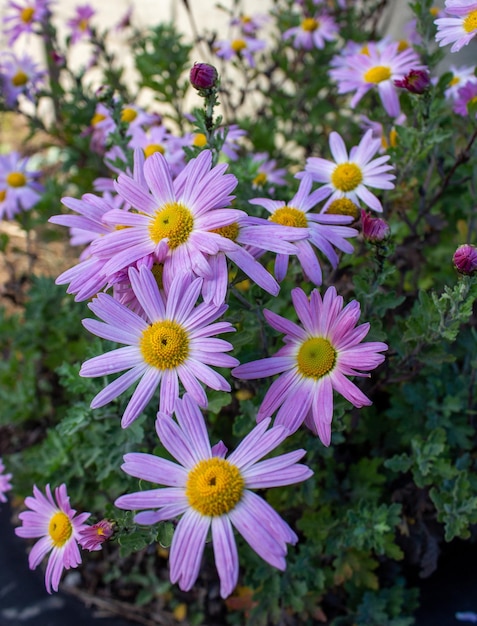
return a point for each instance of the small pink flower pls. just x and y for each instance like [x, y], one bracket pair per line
[58, 529]
[80, 24]
[313, 32]
[93, 537]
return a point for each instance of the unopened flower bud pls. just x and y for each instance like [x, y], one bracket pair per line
[416, 81]
[203, 76]
[465, 259]
[374, 229]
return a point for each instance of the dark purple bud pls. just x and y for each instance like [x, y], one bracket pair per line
[203, 76]
[374, 229]
[416, 81]
[465, 259]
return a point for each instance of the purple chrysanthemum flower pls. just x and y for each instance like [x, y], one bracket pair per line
[55, 523]
[466, 95]
[174, 343]
[80, 24]
[213, 493]
[378, 67]
[19, 186]
[250, 24]
[19, 75]
[172, 219]
[460, 76]
[349, 176]
[24, 17]
[243, 47]
[313, 32]
[267, 173]
[324, 230]
[316, 359]
[459, 24]
[5, 484]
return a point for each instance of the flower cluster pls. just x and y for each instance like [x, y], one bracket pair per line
[193, 226]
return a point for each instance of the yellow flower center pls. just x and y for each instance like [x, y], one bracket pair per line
[365, 50]
[214, 487]
[377, 74]
[231, 231]
[470, 22]
[238, 45]
[402, 45]
[16, 179]
[164, 345]
[200, 140]
[152, 148]
[289, 216]
[97, 118]
[26, 15]
[3, 194]
[343, 206]
[260, 179]
[128, 115]
[83, 24]
[245, 19]
[316, 357]
[60, 529]
[434, 11]
[310, 24]
[174, 222]
[346, 176]
[19, 79]
[454, 81]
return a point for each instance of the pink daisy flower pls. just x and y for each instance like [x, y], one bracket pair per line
[267, 172]
[459, 24]
[324, 231]
[250, 24]
[172, 219]
[19, 189]
[19, 75]
[214, 493]
[4, 482]
[349, 176]
[377, 68]
[24, 17]
[317, 358]
[460, 76]
[313, 32]
[243, 47]
[58, 528]
[467, 95]
[80, 24]
[174, 343]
